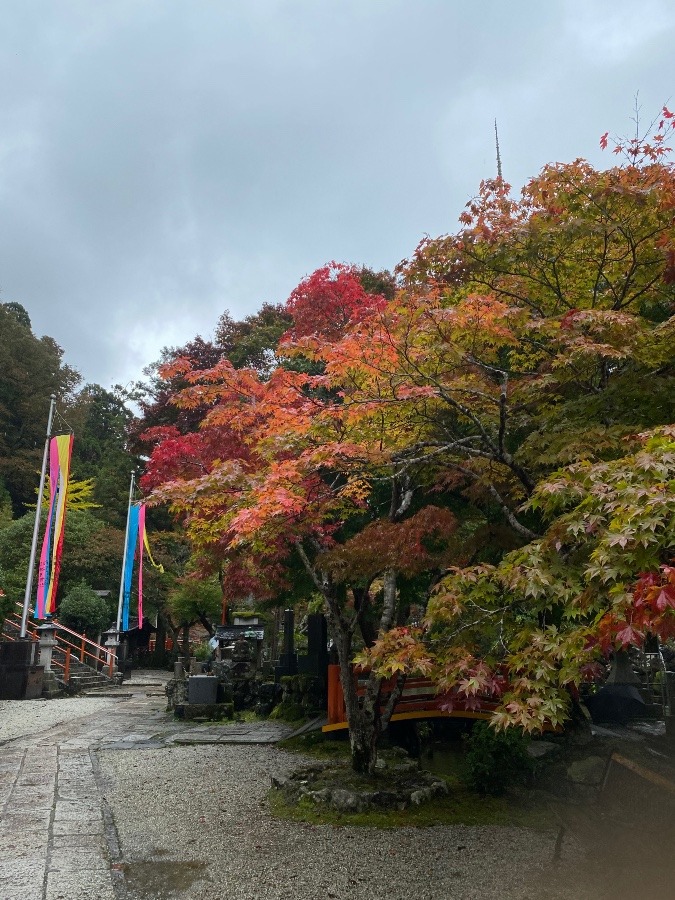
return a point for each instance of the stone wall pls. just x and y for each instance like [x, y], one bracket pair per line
[302, 696]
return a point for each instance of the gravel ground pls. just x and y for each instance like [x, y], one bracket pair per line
[210, 803]
[22, 718]
[192, 822]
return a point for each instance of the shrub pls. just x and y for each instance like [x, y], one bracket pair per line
[496, 759]
[84, 611]
[202, 652]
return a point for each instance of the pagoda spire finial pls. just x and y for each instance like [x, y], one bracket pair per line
[499, 156]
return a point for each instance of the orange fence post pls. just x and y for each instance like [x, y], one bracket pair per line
[82, 651]
[66, 668]
[335, 698]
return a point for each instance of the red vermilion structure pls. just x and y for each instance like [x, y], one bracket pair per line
[420, 700]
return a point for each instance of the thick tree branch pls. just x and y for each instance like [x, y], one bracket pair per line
[510, 517]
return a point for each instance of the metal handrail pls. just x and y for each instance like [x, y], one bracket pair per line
[102, 655]
[85, 640]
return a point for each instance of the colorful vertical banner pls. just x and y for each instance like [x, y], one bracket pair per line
[60, 450]
[129, 555]
[136, 537]
[142, 538]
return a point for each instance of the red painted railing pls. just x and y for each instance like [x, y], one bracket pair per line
[419, 700]
[88, 651]
[67, 641]
[152, 644]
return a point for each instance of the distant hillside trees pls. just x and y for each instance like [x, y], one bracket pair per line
[31, 368]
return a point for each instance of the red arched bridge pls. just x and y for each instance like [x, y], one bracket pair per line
[419, 700]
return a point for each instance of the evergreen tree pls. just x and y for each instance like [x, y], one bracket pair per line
[31, 369]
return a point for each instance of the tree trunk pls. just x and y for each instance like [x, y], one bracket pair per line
[362, 729]
[362, 605]
[206, 624]
[366, 723]
[175, 636]
[363, 744]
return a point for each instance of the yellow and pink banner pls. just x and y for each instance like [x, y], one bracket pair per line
[60, 449]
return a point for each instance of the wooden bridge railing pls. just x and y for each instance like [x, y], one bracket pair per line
[419, 700]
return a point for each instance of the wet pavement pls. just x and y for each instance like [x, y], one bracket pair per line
[57, 833]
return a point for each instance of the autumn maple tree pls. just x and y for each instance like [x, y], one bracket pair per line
[281, 489]
[488, 440]
[540, 336]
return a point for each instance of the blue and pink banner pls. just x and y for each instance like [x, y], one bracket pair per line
[129, 556]
[60, 450]
[136, 537]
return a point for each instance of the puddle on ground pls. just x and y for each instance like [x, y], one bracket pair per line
[160, 879]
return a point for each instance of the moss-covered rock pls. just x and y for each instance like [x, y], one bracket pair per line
[214, 711]
[288, 711]
[339, 788]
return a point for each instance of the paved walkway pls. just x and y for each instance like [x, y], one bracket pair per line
[57, 835]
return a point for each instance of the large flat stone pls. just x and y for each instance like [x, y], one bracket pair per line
[26, 840]
[90, 842]
[11, 889]
[588, 771]
[77, 811]
[23, 866]
[79, 886]
[89, 860]
[74, 826]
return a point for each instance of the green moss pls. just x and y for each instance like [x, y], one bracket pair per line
[460, 807]
[248, 715]
[244, 715]
[288, 712]
[448, 761]
[317, 744]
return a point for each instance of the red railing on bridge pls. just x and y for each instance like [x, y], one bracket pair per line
[419, 700]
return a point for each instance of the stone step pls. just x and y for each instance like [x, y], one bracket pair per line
[93, 677]
[80, 670]
[84, 687]
[90, 676]
[78, 667]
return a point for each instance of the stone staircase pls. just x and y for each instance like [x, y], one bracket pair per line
[83, 677]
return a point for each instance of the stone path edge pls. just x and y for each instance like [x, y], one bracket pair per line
[110, 832]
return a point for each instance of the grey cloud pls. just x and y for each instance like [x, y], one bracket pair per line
[162, 161]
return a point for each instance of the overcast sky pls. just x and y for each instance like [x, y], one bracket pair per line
[164, 160]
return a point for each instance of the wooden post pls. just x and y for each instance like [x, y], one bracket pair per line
[66, 668]
[82, 651]
[336, 706]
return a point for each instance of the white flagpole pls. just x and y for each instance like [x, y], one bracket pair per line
[124, 553]
[36, 526]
